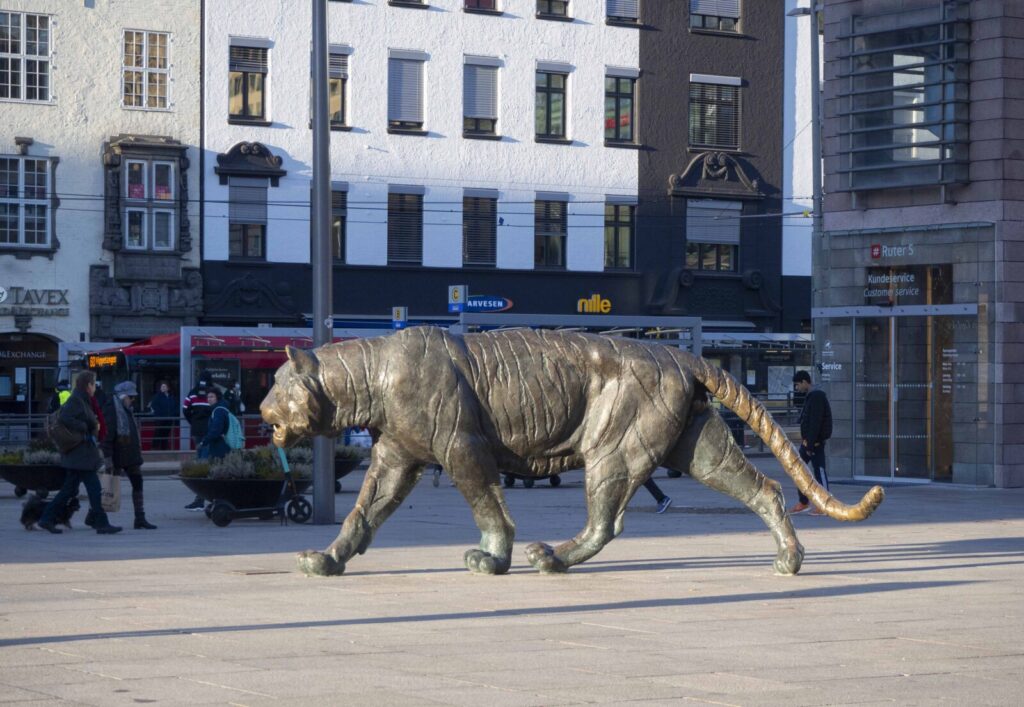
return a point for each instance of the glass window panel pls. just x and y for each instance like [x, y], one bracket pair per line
[157, 90]
[157, 51]
[693, 256]
[35, 224]
[558, 114]
[254, 107]
[9, 225]
[236, 81]
[133, 89]
[9, 181]
[136, 180]
[133, 49]
[253, 240]
[35, 179]
[162, 230]
[336, 93]
[726, 261]
[135, 235]
[10, 33]
[163, 181]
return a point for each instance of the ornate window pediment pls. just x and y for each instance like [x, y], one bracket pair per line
[714, 174]
[249, 159]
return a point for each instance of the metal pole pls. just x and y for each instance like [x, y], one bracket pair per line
[320, 253]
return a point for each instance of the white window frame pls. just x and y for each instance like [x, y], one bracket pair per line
[22, 57]
[21, 203]
[145, 70]
[149, 205]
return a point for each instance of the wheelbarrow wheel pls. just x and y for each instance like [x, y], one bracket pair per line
[510, 481]
[222, 513]
[337, 486]
[20, 491]
[299, 510]
[556, 481]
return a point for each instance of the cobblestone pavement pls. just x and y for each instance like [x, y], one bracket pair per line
[921, 604]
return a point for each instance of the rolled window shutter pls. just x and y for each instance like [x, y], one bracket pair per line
[247, 200]
[338, 66]
[713, 221]
[480, 91]
[405, 90]
[405, 229]
[623, 8]
[479, 230]
[716, 8]
[251, 59]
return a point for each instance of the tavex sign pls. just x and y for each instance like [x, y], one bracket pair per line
[23, 300]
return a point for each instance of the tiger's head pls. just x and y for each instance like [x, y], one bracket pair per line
[296, 405]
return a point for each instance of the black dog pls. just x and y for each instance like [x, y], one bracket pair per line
[32, 511]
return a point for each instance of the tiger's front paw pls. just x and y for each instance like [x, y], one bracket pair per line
[542, 557]
[480, 562]
[318, 564]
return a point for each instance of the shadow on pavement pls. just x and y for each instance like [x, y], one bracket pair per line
[817, 592]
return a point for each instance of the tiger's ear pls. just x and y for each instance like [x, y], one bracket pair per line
[305, 362]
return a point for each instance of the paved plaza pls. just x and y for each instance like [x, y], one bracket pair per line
[921, 604]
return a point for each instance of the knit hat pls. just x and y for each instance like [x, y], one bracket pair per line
[126, 388]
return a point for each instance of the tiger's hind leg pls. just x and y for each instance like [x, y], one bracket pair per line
[707, 451]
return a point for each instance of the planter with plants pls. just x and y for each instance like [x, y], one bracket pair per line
[251, 483]
[33, 468]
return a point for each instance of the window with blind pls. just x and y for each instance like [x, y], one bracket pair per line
[619, 228]
[25, 201]
[405, 94]
[553, 9]
[481, 5]
[618, 108]
[551, 227]
[479, 230]
[339, 215]
[24, 57]
[405, 229]
[717, 15]
[145, 71]
[247, 84]
[247, 218]
[337, 85]
[713, 235]
[623, 10]
[550, 105]
[479, 100]
[714, 115]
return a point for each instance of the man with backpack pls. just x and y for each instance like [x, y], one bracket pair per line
[815, 430]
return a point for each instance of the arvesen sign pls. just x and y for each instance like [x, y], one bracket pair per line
[37, 302]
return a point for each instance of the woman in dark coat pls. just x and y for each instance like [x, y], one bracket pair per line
[122, 446]
[165, 408]
[83, 461]
[214, 446]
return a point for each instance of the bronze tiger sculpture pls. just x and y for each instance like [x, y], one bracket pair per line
[534, 403]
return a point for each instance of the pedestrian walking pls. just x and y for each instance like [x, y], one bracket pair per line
[660, 498]
[815, 430]
[165, 410]
[60, 396]
[122, 447]
[233, 398]
[82, 462]
[196, 410]
[213, 445]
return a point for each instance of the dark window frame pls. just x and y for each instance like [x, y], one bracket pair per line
[20, 203]
[244, 241]
[715, 127]
[405, 211]
[245, 116]
[617, 97]
[553, 10]
[696, 252]
[546, 93]
[548, 228]
[339, 224]
[479, 231]
[613, 228]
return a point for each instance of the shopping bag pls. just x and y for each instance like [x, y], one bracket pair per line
[110, 491]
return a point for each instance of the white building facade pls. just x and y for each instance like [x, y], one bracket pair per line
[99, 125]
[436, 122]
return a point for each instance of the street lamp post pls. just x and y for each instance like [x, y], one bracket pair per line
[320, 252]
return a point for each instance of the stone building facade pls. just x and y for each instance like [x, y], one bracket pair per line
[922, 299]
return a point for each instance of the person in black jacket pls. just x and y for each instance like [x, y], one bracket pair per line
[197, 411]
[122, 447]
[815, 429]
[165, 409]
[83, 461]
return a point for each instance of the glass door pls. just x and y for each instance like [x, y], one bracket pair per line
[873, 401]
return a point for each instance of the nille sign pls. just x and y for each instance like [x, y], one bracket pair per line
[595, 304]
